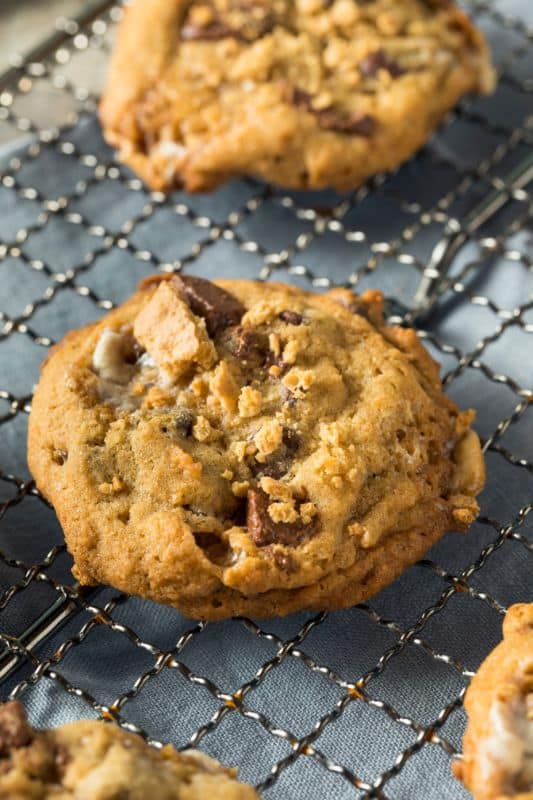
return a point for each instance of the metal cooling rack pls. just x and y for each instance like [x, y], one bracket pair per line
[361, 703]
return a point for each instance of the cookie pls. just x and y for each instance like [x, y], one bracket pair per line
[241, 447]
[94, 760]
[498, 744]
[306, 94]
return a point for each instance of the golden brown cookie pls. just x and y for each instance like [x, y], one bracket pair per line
[498, 744]
[93, 760]
[249, 448]
[302, 93]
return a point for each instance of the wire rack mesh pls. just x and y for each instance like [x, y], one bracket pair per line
[361, 703]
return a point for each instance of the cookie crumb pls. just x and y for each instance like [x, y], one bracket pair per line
[249, 402]
[269, 437]
[203, 430]
[276, 489]
[225, 387]
[113, 487]
[240, 488]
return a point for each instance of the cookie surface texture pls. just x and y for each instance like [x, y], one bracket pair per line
[498, 744]
[249, 448]
[93, 760]
[306, 94]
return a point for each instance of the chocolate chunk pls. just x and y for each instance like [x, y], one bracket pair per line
[291, 317]
[208, 33]
[184, 421]
[219, 308]
[252, 23]
[14, 729]
[278, 465]
[291, 439]
[299, 98]
[248, 345]
[265, 531]
[379, 59]
[332, 119]
[273, 468]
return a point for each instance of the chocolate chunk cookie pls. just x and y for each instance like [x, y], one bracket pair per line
[249, 448]
[498, 743]
[302, 93]
[93, 760]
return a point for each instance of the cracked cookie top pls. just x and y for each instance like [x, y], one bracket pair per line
[305, 93]
[210, 442]
[93, 760]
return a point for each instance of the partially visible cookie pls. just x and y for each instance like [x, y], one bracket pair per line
[94, 760]
[302, 93]
[498, 744]
[241, 447]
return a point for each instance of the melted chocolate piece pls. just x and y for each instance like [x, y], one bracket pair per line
[253, 21]
[219, 308]
[14, 729]
[291, 439]
[300, 98]
[284, 560]
[379, 59]
[334, 119]
[207, 33]
[265, 531]
[291, 317]
[248, 345]
[273, 468]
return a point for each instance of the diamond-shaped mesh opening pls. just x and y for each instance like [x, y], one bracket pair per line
[365, 702]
